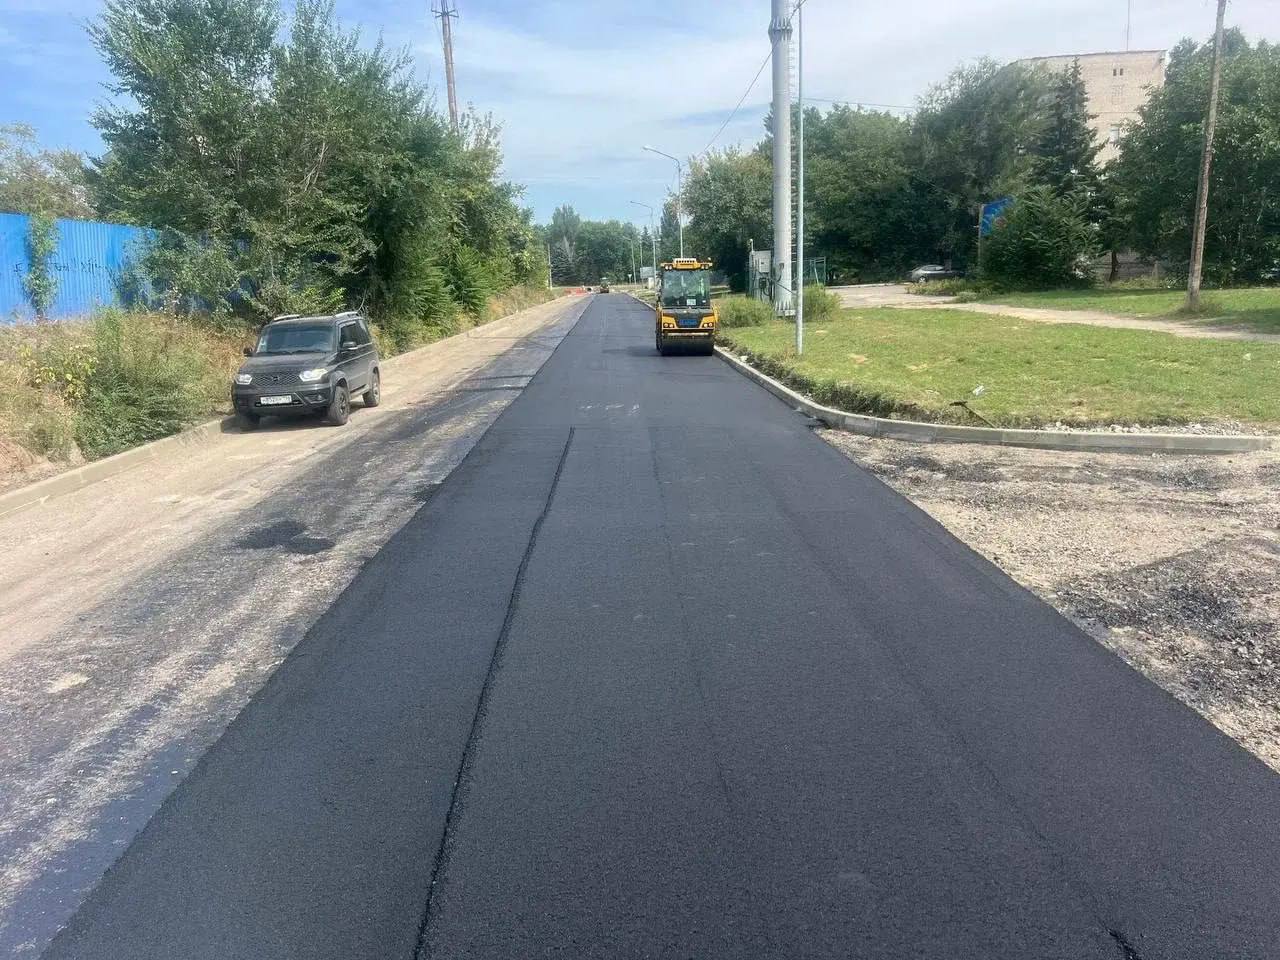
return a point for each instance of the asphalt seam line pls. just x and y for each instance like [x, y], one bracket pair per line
[482, 705]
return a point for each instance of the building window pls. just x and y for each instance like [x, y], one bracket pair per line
[1113, 135]
[1117, 71]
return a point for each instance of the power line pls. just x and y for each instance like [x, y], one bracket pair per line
[741, 101]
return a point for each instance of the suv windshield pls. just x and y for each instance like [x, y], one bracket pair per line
[686, 288]
[293, 338]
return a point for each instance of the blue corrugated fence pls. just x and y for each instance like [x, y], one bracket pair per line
[88, 263]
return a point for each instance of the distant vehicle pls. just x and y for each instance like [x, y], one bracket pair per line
[1272, 275]
[604, 286]
[933, 271]
[684, 315]
[308, 365]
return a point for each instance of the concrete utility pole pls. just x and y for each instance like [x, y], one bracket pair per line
[447, 13]
[780, 35]
[800, 182]
[1206, 164]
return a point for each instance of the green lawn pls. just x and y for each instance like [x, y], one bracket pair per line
[914, 363]
[1257, 308]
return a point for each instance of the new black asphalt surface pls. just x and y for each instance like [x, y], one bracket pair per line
[657, 673]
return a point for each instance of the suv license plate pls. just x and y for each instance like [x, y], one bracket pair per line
[275, 401]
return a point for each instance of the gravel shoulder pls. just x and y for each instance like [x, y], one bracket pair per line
[1173, 562]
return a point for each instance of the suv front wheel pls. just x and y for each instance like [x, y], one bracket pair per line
[339, 408]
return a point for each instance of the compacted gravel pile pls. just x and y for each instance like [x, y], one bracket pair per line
[1171, 561]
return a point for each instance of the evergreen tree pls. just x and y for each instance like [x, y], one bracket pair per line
[1065, 155]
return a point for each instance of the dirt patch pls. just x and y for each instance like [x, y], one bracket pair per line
[1171, 561]
[19, 466]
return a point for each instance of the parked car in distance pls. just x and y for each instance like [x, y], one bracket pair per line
[308, 365]
[933, 271]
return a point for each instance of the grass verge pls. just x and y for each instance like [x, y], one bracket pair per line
[1254, 308]
[914, 364]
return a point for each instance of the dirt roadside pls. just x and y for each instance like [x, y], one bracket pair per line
[1173, 562]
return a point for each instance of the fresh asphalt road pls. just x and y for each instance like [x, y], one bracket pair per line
[657, 673]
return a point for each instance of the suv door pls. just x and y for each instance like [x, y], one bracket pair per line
[354, 363]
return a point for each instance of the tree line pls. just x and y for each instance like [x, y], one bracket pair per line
[885, 192]
[289, 166]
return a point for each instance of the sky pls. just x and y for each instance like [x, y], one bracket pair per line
[581, 87]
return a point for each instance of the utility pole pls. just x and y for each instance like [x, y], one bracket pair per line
[780, 36]
[1128, 26]
[548, 266]
[1206, 163]
[446, 12]
[800, 183]
[679, 190]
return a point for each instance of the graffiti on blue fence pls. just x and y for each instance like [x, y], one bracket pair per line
[90, 265]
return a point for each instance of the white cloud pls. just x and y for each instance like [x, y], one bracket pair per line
[580, 87]
[579, 99]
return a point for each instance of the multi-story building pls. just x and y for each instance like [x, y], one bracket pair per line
[1117, 84]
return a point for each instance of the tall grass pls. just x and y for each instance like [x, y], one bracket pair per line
[121, 379]
[743, 312]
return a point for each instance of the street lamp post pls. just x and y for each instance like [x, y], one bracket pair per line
[679, 190]
[653, 237]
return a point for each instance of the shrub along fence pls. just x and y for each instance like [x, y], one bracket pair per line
[88, 265]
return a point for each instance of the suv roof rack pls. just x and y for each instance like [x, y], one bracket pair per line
[286, 316]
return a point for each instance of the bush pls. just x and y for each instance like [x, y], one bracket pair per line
[419, 308]
[470, 282]
[744, 312]
[151, 377]
[1046, 241]
[820, 303]
[952, 286]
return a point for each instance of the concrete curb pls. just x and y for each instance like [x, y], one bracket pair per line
[77, 478]
[1094, 441]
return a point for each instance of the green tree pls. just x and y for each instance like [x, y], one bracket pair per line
[562, 234]
[669, 233]
[864, 206]
[970, 143]
[33, 180]
[298, 173]
[726, 202]
[1158, 169]
[1064, 156]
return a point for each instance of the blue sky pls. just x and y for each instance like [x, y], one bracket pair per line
[580, 87]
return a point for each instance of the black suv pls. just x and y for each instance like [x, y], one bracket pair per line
[308, 365]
